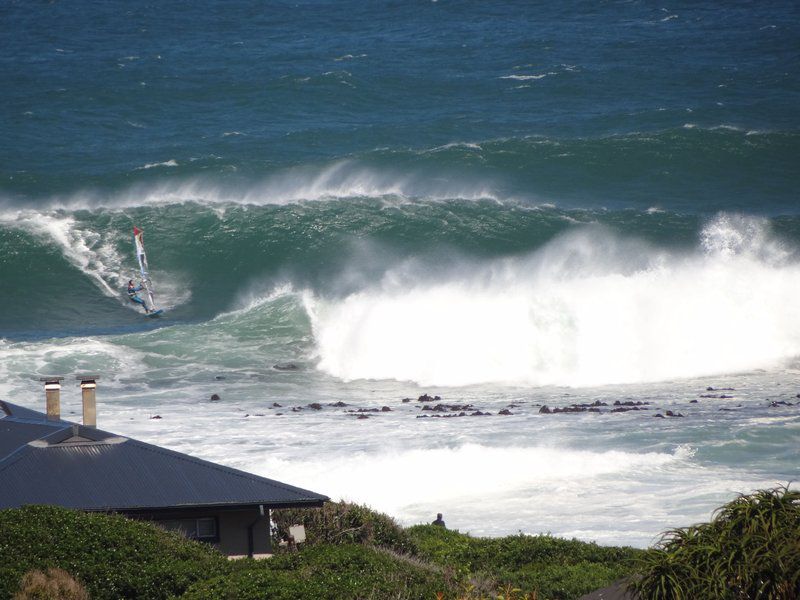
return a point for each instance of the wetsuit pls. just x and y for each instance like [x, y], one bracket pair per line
[135, 297]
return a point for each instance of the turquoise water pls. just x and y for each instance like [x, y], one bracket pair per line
[516, 204]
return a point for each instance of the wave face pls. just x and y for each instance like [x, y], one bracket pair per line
[690, 169]
[446, 292]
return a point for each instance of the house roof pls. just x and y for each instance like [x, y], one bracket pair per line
[66, 464]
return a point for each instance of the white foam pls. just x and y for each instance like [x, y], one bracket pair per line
[167, 163]
[391, 480]
[528, 77]
[349, 57]
[343, 179]
[588, 309]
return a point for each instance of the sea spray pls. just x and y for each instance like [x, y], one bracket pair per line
[586, 309]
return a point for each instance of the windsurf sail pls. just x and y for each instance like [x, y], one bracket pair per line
[138, 243]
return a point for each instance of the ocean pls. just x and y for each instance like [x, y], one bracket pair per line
[350, 206]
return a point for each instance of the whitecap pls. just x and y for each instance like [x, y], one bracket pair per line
[528, 77]
[167, 163]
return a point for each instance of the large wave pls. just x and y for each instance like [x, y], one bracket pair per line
[692, 168]
[588, 308]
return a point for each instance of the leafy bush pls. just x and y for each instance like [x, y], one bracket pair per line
[749, 551]
[344, 523]
[324, 572]
[115, 557]
[554, 568]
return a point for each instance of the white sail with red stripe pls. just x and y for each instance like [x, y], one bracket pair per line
[138, 243]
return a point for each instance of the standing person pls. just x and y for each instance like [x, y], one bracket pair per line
[134, 296]
[439, 521]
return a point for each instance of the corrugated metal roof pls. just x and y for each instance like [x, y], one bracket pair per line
[13, 434]
[109, 472]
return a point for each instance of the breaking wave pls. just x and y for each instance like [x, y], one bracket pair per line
[588, 308]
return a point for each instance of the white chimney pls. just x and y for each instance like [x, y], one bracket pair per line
[52, 392]
[88, 387]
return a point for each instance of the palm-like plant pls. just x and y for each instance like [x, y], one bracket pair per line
[749, 551]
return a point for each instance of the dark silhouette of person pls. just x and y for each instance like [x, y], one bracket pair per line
[438, 520]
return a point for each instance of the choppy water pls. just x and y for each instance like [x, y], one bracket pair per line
[504, 205]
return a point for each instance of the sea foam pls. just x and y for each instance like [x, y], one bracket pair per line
[589, 308]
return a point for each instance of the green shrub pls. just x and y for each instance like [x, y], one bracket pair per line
[554, 568]
[324, 572]
[113, 556]
[749, 551]
[344, 523]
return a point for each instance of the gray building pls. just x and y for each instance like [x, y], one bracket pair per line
[46, 460]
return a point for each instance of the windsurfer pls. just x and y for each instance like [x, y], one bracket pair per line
[134, 296]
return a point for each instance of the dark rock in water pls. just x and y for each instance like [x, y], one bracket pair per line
[156, 417]
[545, 410]
[258, 415]
[447, 407]
[219, 377]
[425, 398]
[505, 411]
[297, 408]
[629, 403]
[478, 413]
[659, 415]
[338, 404]
[692, 401]
[285, 367]
[386, 409]
[780, 403]
[724, 397]
[362, 416]
[214, 397]
[247, 415]
[669, 413]
[276, 405]
[709, 389]
[315, 406]
[406, 400]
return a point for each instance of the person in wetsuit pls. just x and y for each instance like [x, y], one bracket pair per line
[134, 296]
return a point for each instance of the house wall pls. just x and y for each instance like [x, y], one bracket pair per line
[233, 532]
[232, 527]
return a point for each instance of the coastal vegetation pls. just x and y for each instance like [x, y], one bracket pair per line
[750, 549]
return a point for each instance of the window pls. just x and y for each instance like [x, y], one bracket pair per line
[203, 528]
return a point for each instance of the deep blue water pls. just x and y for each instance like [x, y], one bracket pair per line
[691, 106]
